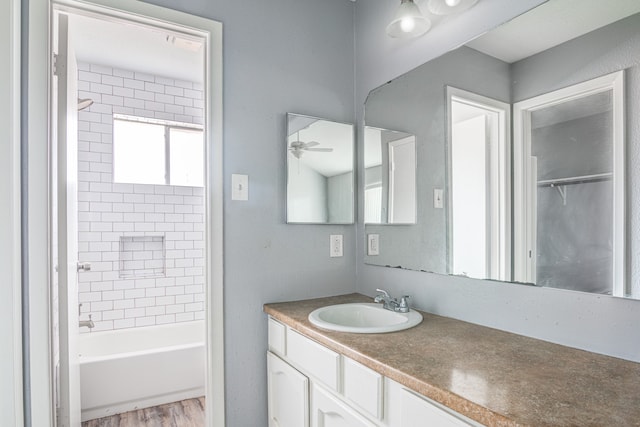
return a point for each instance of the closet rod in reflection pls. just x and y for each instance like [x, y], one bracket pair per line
[576, 180]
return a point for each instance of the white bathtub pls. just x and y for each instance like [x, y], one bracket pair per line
[136, 368]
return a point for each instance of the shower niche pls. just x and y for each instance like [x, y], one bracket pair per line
[568, 168]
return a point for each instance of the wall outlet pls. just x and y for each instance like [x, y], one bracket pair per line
[373, 244]
[239, 187]
[335, 245]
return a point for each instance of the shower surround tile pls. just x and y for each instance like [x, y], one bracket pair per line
[108, 211]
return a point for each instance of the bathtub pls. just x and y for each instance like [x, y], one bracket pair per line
[136, 368]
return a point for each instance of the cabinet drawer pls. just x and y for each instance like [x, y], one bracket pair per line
[314, 359]
[363, 387]
[277, 337]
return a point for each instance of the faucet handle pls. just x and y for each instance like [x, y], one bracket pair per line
[404, 304]
[383, 292]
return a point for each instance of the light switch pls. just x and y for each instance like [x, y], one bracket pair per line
[373, 244]
[438, 196]
[239, 187]
[335, 243]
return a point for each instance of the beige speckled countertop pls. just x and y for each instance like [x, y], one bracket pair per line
[494, 377]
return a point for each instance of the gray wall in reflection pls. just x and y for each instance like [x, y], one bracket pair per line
[574, 246]
[415, 103]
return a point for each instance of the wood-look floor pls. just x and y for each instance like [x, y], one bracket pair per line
[186, 413]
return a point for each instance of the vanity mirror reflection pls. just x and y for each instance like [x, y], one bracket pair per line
[320, 164]
[525, 132]
[390, 177]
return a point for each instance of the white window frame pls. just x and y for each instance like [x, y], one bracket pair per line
[168, 125]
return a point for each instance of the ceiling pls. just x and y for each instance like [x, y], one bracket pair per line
[337, 136]
[551, 24]
[137, 47]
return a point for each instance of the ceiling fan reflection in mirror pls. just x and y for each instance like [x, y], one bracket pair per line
[298, 147]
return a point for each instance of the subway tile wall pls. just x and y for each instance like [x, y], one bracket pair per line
[108, 210]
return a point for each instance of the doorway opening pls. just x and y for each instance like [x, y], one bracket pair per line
[478, 186]
[136, 212]
[569, 174]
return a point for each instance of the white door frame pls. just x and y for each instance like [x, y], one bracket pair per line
[10, 258]
[525, 175]
[40, 66]
[500, 248]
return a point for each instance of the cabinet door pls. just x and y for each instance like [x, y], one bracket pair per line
[418, 411]
[288, 397]
[328, 411]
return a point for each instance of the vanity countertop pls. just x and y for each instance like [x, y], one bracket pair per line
[494, 377]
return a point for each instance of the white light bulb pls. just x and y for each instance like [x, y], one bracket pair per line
[452, 3]
[407, 24]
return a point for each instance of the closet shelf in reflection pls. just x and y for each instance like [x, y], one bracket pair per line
[583, 179]
[560, 183]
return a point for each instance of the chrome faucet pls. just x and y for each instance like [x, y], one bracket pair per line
[85, 323]
[88, 323]
[390, 303]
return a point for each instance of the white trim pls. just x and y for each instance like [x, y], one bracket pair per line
[524, 221]
[10, 291]
[162, 122]
[39, 72]
[41, 384]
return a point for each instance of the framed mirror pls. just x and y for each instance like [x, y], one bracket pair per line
[320, 171]
[531, 137]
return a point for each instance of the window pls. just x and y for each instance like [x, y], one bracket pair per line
[148, 151]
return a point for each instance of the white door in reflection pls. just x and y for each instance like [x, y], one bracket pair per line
[402, 181]
[479, 226]
[471, 191]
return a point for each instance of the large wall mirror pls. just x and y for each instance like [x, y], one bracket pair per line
[527, 145]
[320, 164]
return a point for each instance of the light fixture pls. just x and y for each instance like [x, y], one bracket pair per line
[447, 7]
[408, 21]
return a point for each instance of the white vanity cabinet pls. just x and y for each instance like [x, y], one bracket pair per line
[311, 385]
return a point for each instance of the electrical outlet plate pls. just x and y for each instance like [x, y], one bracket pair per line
[335, 245]
[373, 244]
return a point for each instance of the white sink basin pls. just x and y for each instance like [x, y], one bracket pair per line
[363, 318]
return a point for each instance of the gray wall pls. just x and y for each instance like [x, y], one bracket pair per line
[592, 322]
[279, 56]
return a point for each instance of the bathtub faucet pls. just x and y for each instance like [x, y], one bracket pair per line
[88, 323]
[85, 323]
